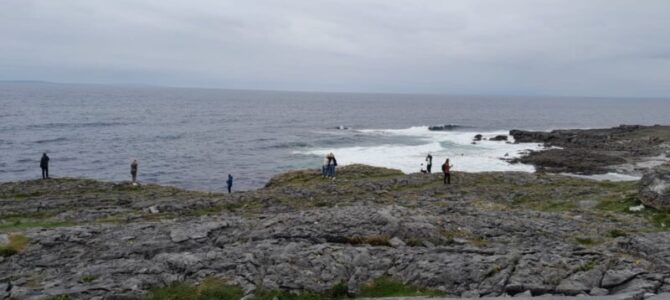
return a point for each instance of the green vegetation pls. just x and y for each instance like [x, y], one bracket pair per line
[17, 243]
[20, 195]
[60, 297]
[88, 278]
[495, 269]
[209, 289]
[621, 203]
[587, 241]
[372, 240]
[615, 233]
[215, 289]
[463, 234]
[388, 287]
[13, 223]
[587, 266]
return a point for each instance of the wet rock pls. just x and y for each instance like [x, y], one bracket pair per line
[501, 137]
[655, 187]
[445, 127]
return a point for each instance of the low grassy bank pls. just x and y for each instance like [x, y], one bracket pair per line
[214, 288]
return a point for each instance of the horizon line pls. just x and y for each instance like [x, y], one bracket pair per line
[134, 84]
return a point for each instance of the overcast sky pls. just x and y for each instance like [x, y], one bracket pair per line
[533, 47]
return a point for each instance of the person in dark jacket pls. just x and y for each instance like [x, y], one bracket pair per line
[133, 170]
[429, 163]
[44, 165]
[332, 164]
[229, 183]
[446, 169]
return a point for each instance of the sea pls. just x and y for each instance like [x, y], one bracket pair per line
[193, 138]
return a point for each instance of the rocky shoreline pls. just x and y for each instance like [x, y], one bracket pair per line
[486, 235]
[626, 149]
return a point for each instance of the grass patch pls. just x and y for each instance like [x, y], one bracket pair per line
[13, 224]
[495, 269]
[209, 289]
[542, 202]
[615, 233]
[388, 287]
[589, 265]
[372, 240]
[88, 278]
[414, 243]
[219, 289]
[660, 219]
[587, 241]
[17, 243]
[20, 195]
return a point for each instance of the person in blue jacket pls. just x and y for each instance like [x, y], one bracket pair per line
[229, 183]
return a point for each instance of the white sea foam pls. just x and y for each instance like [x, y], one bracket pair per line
[608, 176]
[455, 145]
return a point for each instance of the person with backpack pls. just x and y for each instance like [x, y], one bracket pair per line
[446, 169]
[44, 165]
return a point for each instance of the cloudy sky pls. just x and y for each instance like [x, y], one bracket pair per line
[533, 47]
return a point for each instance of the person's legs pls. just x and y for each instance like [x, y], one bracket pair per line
[445, 178]
[229, 188]
[134, 175]
[46, 170]
[428, 168]
[44, 174]
[448, 178]
[333, 172]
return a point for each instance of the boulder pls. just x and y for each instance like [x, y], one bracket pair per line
[477, 138]
[445, 127]
[501, 137]
[655, 187]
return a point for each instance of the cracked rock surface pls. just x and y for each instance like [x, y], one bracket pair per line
[486, 235]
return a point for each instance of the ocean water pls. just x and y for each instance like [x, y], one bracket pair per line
[193, 138]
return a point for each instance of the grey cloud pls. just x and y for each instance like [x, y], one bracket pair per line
[593, 48]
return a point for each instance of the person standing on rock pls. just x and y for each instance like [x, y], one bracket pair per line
[229, 183]
[332, 164]
[429, 162]
[133, 170]
[44, 165]
[324, 167]
[446, 169]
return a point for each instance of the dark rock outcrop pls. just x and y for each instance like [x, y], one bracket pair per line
[501, 137]
[594, 151]
[655, 187]
[445, 127]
